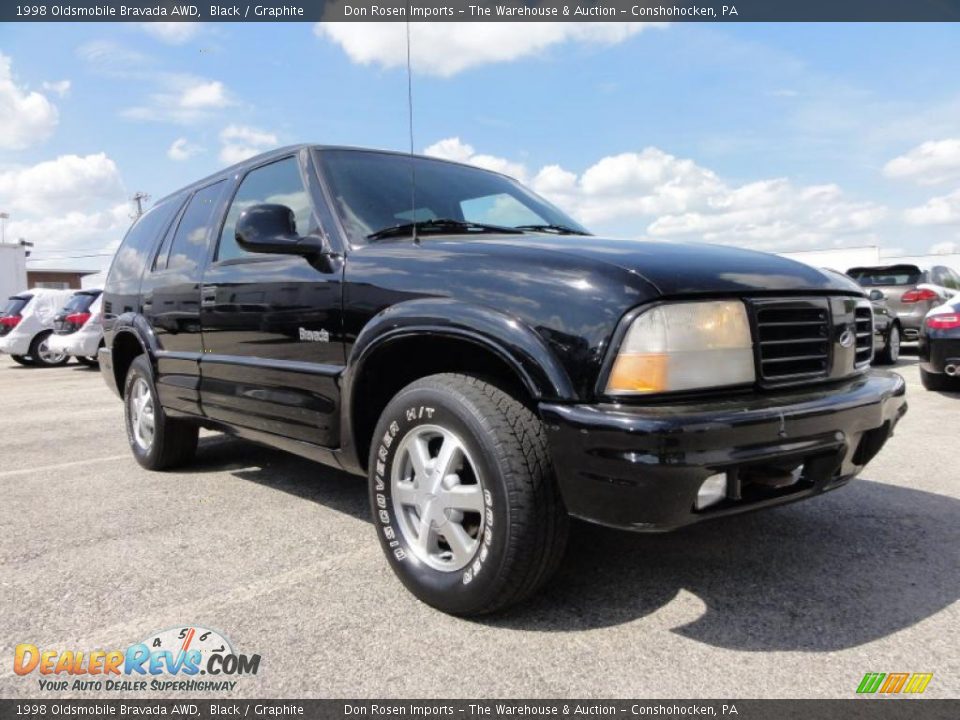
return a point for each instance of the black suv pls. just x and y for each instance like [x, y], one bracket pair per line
[487, 363]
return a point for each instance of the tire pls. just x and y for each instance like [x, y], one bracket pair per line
[24, 360]
[512, 527]
[88, 361]
[938, 381]
[891, 348]
[41, 356]
[173, 442]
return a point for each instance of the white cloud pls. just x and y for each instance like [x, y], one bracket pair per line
[241, 142]
[181, 149]
[111, 58]
[929, 163]
[174, 33]
[60, 87]
[72, 205]
[653, 192]
[446, 49]
[942, 210]
[26, 117]
[72, 234]
[184, 100]
[70, 182]
[454, 149]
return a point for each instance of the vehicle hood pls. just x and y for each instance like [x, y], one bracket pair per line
[675, 268]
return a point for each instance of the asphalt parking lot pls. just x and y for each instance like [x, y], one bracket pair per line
[279, 555]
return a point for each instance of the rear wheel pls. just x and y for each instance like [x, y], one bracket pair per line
[41, 353]
[463, 495]
[22, 360]
[891, 348]
[158, 442]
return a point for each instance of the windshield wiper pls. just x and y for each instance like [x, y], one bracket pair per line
[558, 229]
[439, 225]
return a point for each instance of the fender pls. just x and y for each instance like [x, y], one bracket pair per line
[518, 345]
[137, 325]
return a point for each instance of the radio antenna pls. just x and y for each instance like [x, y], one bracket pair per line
[413, 168]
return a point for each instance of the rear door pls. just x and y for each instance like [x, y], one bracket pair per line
[171, 298]
[272, 323]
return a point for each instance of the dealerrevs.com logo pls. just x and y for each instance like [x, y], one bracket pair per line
[188, 658]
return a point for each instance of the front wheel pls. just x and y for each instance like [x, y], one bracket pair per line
[42, 355]
[463, 495]
[891, 348]
[158, 442]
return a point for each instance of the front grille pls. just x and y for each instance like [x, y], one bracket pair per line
[864, 323]
[792, 340]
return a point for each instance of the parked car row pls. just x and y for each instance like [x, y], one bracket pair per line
[44, 327]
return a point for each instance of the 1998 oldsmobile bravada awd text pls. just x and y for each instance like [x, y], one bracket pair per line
[490, 366]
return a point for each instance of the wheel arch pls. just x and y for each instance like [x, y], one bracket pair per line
[132, 337]
[420, 338]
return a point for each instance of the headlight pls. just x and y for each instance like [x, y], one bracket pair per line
[683, 346]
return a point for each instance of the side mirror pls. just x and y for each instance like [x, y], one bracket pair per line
[271, 228]
[877, 295]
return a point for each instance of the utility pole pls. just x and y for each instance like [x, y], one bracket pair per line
[139, 197]
[3, 227]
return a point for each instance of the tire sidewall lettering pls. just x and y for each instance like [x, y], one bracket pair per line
[411, 415]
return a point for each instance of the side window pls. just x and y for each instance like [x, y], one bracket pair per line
[133, 255]
[278, 183]
[499, 209]
[189, 248]
[160, 259]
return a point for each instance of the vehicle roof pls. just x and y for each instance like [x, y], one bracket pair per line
[287, 150]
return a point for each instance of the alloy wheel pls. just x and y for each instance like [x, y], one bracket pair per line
[438, 498]
[48, 356]
[142, 420]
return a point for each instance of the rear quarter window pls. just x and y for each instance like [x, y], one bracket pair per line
[15, 305]
[132, 256]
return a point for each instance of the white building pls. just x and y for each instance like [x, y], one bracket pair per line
[842, 259]
[13, 271]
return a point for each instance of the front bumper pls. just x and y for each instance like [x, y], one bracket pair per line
[639, 468]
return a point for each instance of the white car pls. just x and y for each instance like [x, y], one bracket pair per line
[26, 325]
[77, 328]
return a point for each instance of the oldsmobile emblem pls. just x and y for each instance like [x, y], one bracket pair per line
[847, 338]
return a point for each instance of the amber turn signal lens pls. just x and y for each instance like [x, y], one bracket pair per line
[639, 373]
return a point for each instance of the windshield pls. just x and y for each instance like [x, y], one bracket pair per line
[887, 276]
[15, 305]
[373, 191]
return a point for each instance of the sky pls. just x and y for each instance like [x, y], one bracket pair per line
[776, 137]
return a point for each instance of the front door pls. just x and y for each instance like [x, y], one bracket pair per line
[273, 349]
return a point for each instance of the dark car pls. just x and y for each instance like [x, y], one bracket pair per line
[887, 331]
[909, 291]
[491, 367]
[939, 348]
